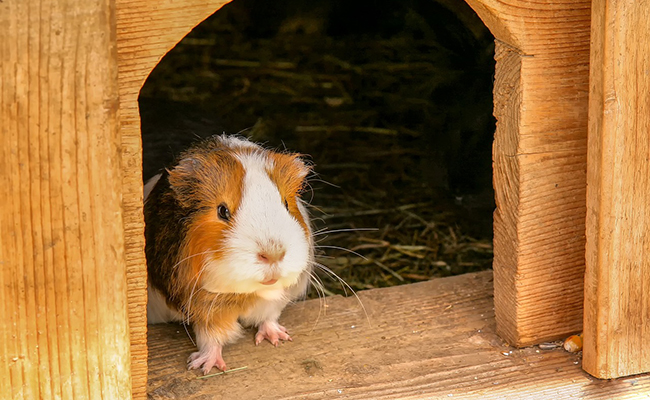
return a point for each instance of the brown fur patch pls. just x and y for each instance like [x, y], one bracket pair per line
[219, 311]
[206, 179]
[289, 175]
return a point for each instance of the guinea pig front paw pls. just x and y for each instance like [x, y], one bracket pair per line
[273, 332]
[206, 358]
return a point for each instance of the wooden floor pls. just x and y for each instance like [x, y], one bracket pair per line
[428, 340]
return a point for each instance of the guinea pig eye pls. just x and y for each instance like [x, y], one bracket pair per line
[223, 212]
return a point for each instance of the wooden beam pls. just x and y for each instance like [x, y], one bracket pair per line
[617, 281]
[146, 31]
[540, 97]
[63, 320]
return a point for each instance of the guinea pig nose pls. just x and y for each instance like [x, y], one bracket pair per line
[272, 255]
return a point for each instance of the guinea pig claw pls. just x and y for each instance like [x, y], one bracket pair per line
[205, 359]
[273, 332]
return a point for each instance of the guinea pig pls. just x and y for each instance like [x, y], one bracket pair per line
[228, 242]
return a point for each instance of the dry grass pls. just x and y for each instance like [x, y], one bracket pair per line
[413, 244]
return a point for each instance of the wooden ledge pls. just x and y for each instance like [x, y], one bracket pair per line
[433, 339]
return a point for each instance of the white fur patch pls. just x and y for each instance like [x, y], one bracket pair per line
[234, 141]
[157, 309]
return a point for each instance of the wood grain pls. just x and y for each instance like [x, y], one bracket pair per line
[617, 282]
[430, 340]
[63, 320]
[541, 103]
[146, 31]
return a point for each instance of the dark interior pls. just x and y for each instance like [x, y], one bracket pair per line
[390, 100]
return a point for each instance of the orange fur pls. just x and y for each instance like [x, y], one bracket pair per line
[288, 174]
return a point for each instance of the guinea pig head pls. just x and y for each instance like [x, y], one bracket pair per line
[247, 228]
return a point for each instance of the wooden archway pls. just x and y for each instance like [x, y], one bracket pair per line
[541, 102]
[71, 227]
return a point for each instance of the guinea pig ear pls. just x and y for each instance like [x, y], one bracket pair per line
[301, 166]
[184, 179]
[288, 172]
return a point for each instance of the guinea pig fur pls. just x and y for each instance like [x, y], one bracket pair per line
[228, 241]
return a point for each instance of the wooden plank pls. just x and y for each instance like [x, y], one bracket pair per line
[540, 95]
[617, 299]
[63, 321]
[146, 31]
[434, 339]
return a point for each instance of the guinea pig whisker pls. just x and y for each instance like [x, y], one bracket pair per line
[187, 313]
[196, 281]
[311, 191]
[333, 275]
[317, 282]
[320, 239]
[324, 232]
[344, 284]
[214, 299]
[325, 182]
[320, 230]
[188, 332]
[241, 132]
[189, 300]
[193, 255]
[320, 210]
[318, 219]
[318, 285]
[195, 227]
[342, 248]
